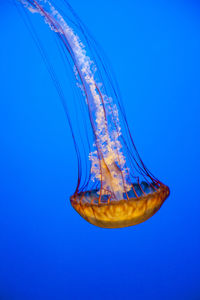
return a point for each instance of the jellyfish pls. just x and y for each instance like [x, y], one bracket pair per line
[114, 187]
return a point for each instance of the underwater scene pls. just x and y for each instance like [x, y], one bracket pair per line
[99, 149]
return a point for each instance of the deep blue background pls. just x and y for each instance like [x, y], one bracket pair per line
[47, 251]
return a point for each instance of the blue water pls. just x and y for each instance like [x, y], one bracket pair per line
[47, 251]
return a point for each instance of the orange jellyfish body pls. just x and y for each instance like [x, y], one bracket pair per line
[122, 213]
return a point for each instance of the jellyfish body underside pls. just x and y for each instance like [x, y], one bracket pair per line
[123, 213]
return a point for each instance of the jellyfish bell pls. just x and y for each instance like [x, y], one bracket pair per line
[108, 213]
[118, 190]
[118, 208]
